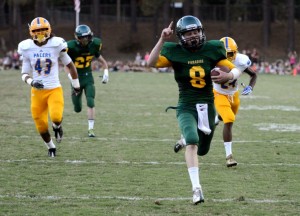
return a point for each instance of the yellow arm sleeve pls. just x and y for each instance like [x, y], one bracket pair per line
[162, 62]
[227, 63]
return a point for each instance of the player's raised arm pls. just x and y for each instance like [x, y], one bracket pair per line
[165, 35]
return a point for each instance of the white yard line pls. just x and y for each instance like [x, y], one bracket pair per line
[128, 198]
[78, 162]
[171, 141]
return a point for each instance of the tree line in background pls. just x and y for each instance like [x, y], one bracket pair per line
[14, 14]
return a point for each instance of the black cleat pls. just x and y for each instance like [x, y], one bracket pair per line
[180, 144]
[58, 133]
[52, 152]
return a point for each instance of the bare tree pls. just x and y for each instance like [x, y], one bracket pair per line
[291, 25]
[228, 26]
[3, 16]
[96, 17]
[118, 5]
[187, 7]
[266, 23]
[150, 7]
[196, 6]
[133, 24]
[166, 13]
[40, 9]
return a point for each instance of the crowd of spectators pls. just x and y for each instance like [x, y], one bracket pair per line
[10, 60]
[288, 66]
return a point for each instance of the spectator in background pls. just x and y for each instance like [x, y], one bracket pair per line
[146, 57]
[297, 69]
[15, 60]
[254, 56]
[247, 52]
[138, 59]
[7, 62]
[292, 58]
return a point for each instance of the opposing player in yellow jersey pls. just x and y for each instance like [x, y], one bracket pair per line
[227, 99]
[41, 55]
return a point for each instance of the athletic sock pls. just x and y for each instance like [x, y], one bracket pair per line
[50, 144]
[91, 123]
[194, 176]
[228, 149]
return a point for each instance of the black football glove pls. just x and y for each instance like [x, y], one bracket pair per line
[38, 84]
[76, 91]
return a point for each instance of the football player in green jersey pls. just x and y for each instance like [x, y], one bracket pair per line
[192, 60]
[83, 50]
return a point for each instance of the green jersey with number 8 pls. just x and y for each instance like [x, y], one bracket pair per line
[192, 69]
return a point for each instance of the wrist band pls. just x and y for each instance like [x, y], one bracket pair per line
[75, 83]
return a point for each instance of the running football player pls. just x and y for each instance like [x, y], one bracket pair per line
[41, 55]
[83, 50]
[227, 99]
[192, 59]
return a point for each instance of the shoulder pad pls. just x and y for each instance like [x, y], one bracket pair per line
[242, 60]
[25, 44]
[215, 43]
[56, 41]
[71, 42]
[96, 42]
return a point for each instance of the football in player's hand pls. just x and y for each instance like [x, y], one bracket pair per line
[215, 71]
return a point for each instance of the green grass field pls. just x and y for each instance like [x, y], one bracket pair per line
[130, 168]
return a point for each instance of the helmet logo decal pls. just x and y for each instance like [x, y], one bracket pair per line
[191, 26]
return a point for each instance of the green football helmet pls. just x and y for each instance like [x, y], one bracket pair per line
[83, 34]
[186, 24]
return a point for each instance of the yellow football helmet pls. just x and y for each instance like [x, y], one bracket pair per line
[231, 48]
[39, 29]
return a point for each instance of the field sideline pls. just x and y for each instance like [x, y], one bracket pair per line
[130, 168]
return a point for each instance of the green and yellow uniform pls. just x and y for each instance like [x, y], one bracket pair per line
[192, 74]
[82, 58]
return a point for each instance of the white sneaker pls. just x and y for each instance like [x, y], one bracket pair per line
[198, 196]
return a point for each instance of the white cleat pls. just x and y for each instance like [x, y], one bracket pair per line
[198, 196]
[230, 162]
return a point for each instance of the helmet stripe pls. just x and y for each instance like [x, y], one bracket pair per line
[226, 43]
[38, 20]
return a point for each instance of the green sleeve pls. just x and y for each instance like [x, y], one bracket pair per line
[96, 46]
